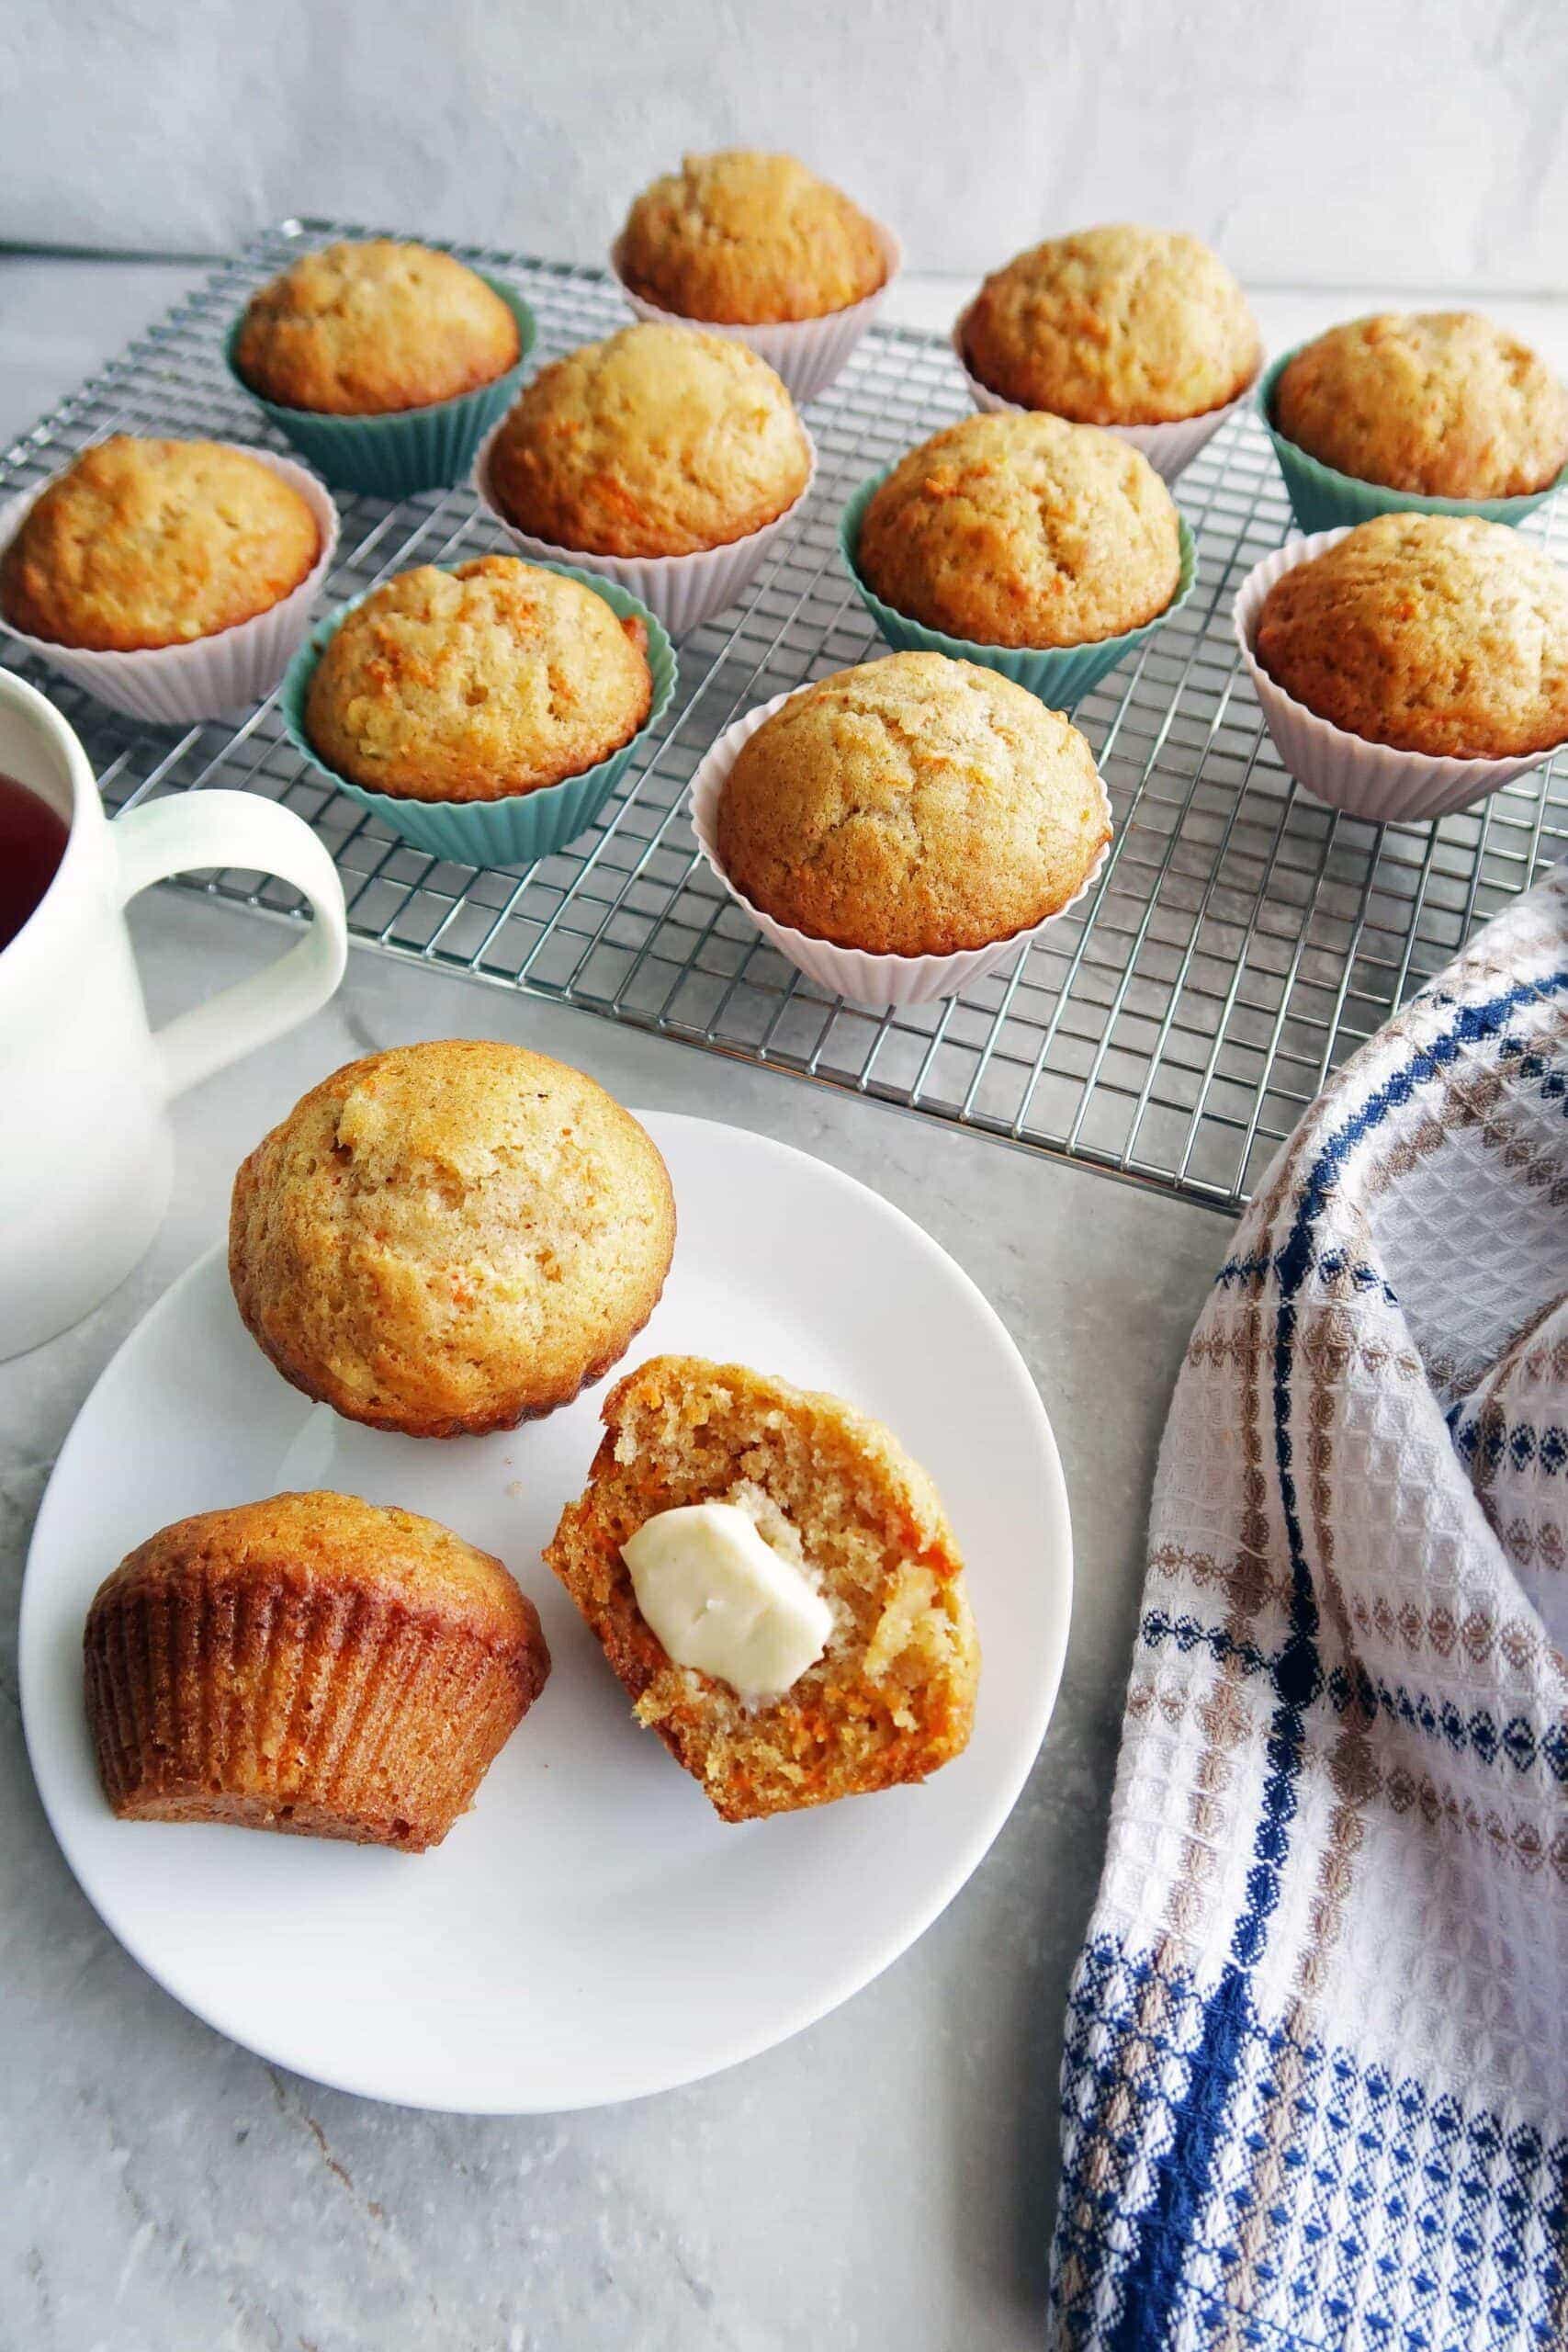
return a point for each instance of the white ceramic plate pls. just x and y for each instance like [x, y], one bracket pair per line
[590, 1931]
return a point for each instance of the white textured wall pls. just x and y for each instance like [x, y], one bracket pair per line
[1317, 141]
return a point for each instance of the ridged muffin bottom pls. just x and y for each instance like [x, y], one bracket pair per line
[330, 1712]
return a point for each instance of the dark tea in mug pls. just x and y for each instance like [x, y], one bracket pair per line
[32, 842]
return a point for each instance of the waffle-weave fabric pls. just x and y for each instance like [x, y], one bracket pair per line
[1316, 2081]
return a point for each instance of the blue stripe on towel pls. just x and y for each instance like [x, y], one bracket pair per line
[1348, 1688]
[1184, 2169]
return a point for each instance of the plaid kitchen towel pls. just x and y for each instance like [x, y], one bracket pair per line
[1316, 2083]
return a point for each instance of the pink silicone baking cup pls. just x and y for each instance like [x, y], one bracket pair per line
[877, 982]
[212, 677]
[807, 353]
[683, 589]
[1378, 781]
[1169, 448]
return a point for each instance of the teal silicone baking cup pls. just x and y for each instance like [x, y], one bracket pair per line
[1322, 499]
[1060, 674]
[412, 449]
[525, 826]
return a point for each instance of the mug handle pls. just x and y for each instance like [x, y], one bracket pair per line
[204, 829]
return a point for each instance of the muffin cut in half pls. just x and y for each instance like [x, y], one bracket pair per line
[313, 1664]
[892, 1696]
[450, 1238]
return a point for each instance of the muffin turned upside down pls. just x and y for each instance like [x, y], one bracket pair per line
[311, 1664]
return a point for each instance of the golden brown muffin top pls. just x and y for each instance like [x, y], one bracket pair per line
[744, 239]
[660, 441]
[323, 1540]
[1119, 325]
[893, 1696]
[361, 329]
[497, 677]
[141, 544]
[1437, 633]
[914, 805]
[1441, 403]
[450, 1236]
[1022, 530]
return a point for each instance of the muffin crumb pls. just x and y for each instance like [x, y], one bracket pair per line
[893, 1697]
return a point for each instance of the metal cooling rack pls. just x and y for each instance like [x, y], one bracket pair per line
[1242, 939]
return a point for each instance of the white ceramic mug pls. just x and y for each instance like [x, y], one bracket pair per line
[86, 1158]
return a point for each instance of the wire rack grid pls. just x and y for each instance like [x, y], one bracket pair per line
[1242, 939]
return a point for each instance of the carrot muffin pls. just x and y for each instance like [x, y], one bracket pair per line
[915, 805]
[1113, 326]
[450, 1238]
[476, 683]
[1022, 530]
[742, 239]
[141, 544]
[1441, 403]
[1437, 633]
[312, 1664]
[733, 1523]
[362, 330]
[660, 441]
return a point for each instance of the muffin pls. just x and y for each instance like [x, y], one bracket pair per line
[143, 544]
[450, 1238]
[363, 329]
[1113, 326]
[312, 1664]
[476, 683]
[915, 805]
[1441, 403]
[1022, 530]
[742, 239]
[660, 441]
[846, 1517]
[1435, 633]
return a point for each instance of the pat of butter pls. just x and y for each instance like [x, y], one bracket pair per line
[722, 1600]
